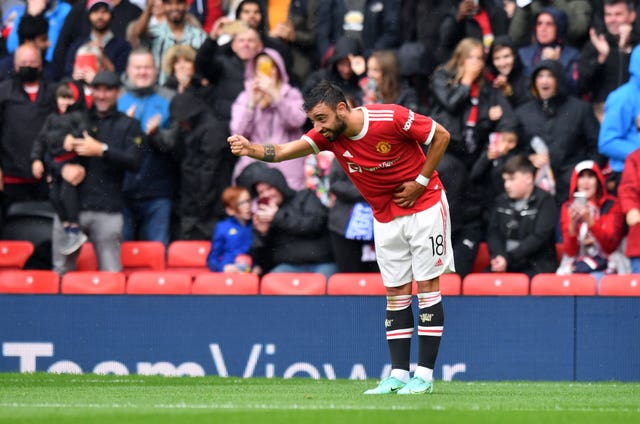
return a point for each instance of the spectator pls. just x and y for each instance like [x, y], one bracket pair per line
[604, 60]
[115, 50]
[591, 222]
[55, 144]
[232, 237]
[470, 109]
[176, 30]
[506, 72]
[620, 125]
[629, 194]
[384, 84]
[207, 12]
[421, 21]
[350, 225]
[32, 29]
[296, 26]
[113, 148]
[521, 236]
[290, 227]
[205, 165]
[269, 110]
[549, 44]
[85, 70]
[250, 13]
[26, 100]
[224, 66]
[76, 26]
[546, 115]
[374, 23]
[483, 20]
[579, 14]
[55, 11]
[339, 71]
[179, 65]
[148, 192]
[462, 100]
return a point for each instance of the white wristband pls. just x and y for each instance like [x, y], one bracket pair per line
[422, 180]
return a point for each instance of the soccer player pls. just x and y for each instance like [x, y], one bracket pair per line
[379, 147]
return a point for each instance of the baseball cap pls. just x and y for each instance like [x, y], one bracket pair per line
[92, 3]
[106, 78]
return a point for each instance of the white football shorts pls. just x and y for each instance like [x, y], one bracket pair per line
[415, 247]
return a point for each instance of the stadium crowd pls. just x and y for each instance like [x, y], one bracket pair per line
[118, 112]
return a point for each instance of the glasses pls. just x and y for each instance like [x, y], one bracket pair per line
[244, 202]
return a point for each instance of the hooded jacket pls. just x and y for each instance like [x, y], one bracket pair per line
[298, 233]
[278, 123]
[566, 124]
[531, 55]
[518, 92]
[619, 129]
[344, 47]
[608, 227]
[629, 195]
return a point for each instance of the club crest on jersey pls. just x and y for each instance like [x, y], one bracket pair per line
[383, 147]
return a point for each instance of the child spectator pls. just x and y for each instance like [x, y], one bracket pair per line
[592, 223]
[55, 143]
[232, 236]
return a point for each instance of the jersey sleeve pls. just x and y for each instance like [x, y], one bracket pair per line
[317, 141]
[414, 125]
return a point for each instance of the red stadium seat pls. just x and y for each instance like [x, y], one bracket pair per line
[87, 260]
[226, 283]
[496, 284]
[563, 285]
[482, 259]
[367, 283]
[29, 281]
[188, 256]
[450, 285]
[142, 256]
[93, 282]
[293, 283]
[14, 253]
[158, 282]
[620, 285]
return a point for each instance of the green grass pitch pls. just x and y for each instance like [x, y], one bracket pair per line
[49, 398]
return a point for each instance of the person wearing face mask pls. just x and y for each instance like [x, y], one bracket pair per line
[26, 99]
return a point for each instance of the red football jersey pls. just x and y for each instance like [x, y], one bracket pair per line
[384, 155]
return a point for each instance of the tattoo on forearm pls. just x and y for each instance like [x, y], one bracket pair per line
[269, 153]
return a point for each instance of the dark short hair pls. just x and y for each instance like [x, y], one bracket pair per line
[629, 3]
[31, 27]
[518, 163]
[324, 92]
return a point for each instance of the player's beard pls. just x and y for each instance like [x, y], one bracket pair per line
[337, 130]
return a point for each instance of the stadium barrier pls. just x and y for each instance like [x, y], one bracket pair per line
[555, 338]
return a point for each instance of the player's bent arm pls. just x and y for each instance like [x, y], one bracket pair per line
[437, 147]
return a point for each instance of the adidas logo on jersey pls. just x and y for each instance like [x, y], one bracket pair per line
[439, 262]
[347, 154]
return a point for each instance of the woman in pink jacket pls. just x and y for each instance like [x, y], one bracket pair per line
[269, 110]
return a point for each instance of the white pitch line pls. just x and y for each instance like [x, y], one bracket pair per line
[231, 406]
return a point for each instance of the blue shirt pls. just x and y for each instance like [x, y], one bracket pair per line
[230, 238]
